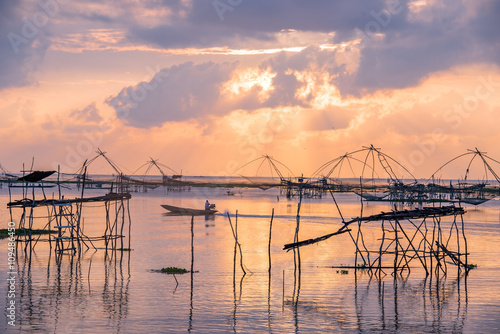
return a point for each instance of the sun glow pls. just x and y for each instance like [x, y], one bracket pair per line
[317, 89]
[244, 80]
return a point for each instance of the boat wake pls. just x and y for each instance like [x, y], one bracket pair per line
[292, 217]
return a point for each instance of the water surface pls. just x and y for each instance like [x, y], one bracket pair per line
[117, 292]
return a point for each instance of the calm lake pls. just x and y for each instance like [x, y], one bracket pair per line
[120, 292]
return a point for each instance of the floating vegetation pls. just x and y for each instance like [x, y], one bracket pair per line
[173, 270]
[4, 233]
[471, 266]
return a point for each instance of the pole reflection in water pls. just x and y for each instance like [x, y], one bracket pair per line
[431, 305]
[296, 288]
[190, 327]
[391, 305]
[47, 299]
[115, 290]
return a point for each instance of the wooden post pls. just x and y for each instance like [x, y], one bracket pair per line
[396, 242]
[123, 223]
[192, 273]
[192, 245]
[283, 295]
[269, 244]
[465, 242]
[129, 224]
[235, 235]
[379, 269]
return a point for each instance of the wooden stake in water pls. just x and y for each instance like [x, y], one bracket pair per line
[269, 244]
[192, 244]
[235, 235]
[283, 295]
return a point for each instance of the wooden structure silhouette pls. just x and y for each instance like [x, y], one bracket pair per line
[431, 236]
[64, 221]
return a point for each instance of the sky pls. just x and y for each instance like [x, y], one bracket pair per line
[208, 86]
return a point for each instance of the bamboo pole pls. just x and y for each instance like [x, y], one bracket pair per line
[106, 207]
[465, 242]
[413, 247]
[269, 244]
[396, 241]
[123, 223]
[129, 224]
[192, 245]
[192, 276]
[359, 225]
[235, 235]
[379, 269]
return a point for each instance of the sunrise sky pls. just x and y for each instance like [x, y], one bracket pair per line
[207, 86]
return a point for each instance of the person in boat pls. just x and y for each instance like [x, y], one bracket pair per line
[209, 206]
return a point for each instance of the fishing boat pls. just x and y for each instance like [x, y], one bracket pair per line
[372, 196]
[475, 201]
[187, 211]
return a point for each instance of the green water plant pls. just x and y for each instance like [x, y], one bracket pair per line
[173, 270]
[4, 233]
